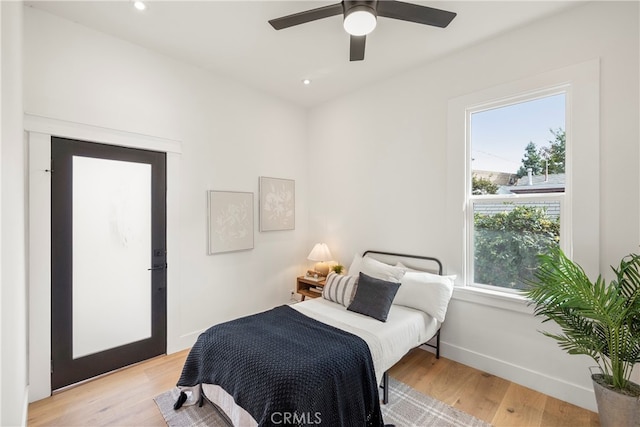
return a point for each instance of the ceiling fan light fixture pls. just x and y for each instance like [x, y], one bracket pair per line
[360, 20]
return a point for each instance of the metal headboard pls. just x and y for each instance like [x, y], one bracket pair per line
[397, 255]
[436, 338]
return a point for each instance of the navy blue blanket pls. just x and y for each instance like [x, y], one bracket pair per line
[286, 368]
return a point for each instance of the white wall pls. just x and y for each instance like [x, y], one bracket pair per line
[13, 309]
[230, 135]
[384, 186]
[2, 61]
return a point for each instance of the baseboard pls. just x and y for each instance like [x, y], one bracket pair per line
[25, 406]
[183, 341]
[15, 408]
[563, 390]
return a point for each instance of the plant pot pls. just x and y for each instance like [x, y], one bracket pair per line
[616, 409]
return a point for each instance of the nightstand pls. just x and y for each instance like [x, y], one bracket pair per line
[304, 283]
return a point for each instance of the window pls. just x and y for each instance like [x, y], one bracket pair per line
[578, 206]
[516, 187]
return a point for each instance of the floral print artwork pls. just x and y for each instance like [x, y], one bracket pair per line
[230, 221]
[277, 204]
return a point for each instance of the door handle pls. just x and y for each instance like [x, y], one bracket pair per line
[157, 267]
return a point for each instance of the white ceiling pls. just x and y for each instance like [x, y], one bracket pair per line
[233, 39]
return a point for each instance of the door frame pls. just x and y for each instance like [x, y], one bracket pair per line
[39, 131]
[67, 368]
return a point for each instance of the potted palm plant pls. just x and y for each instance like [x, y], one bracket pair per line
[599, 320]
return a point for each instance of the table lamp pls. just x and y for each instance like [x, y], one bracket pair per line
[320, 253]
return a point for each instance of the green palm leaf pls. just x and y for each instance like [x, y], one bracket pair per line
[597, 319]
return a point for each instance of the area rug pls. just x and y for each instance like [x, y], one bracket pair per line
[406, 408]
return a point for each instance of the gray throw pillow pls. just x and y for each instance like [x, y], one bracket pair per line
[374, 297]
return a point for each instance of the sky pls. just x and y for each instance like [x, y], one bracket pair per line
[499, 136]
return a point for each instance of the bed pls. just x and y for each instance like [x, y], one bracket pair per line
[323, 360]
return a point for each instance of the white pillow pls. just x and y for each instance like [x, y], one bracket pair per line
[426, 292]
[356, 265]
[401, 265]
[426, 270]
[374, 268]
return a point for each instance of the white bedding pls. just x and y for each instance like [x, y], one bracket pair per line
[388, 342]
[405, 328]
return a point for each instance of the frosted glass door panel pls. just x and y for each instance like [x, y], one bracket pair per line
[111, 254]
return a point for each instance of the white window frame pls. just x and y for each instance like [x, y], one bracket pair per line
[565, 218]
[583, 123]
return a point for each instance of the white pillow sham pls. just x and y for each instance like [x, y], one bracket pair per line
[425, 270]
[426, 292]
[356, 266]
[379, 270]
[401, 265]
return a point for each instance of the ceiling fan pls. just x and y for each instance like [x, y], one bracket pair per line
[360, 18]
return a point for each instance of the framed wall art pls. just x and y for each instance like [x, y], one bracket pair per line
[230, 221]
[277, 204]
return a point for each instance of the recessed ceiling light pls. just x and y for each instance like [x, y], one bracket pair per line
[306, 82]
[139, 5]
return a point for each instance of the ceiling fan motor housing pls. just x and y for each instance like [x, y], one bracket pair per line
[349, 6]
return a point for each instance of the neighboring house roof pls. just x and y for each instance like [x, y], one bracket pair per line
[552, 178]
[553, 183]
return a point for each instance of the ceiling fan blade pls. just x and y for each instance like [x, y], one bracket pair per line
[415, 13]
[306, 16]
[357, 48]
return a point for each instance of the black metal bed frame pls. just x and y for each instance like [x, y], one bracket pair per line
[385, 376]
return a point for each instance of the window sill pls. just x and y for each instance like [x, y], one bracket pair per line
[501, 300]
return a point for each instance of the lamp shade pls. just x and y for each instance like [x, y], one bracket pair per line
[320, 253]
[359, 20]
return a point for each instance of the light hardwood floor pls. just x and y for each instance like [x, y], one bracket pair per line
[125, 397]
